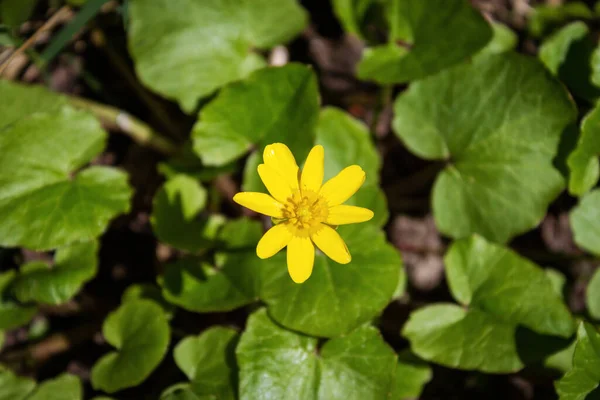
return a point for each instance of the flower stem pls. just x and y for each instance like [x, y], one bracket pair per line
[139, 131]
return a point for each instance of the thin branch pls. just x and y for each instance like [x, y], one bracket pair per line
[139, 131]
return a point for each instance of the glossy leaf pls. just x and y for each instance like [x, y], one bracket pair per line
[45, 204]
[140, 332]
[502, 291]
[272, 105]
[163, 42]
[74, 265]
[412, 374]
[438, 40]
[498, 139]
[555, 49]
[208, 360]
[337, 298]
[584, 219]
[280, 364]
[584, 377]
[347, 141]
[583, 163]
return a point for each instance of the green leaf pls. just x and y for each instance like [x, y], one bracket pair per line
[272, 105]
[13, 387]
[140, 332]
[555, 49]
[352, 14]
[567, 55]
[281, 364]
[186, 162]
[12, 314]
[163, 41]
[544, 18]
[198, 287]
[438, 40]
[592, 295]
[21, 101]
[503, 40]
[150, 292]
[584, 377]
[583, 162]
[584, 219]
[74, 265]
[209, 361]
[347, 141]
[45, 204]
[65, 387]
[498, 140]
[412, 374]
[561, 360]
[500, 291]
[233, 282]
[14, 12]
[337, 298]
[176, 218]
[183, 391]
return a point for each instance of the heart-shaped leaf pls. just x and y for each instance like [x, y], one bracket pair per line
[424, 42]
[583, 163]
[44, 203]
[337, 298]
[73, 266]
[503, 40]
[272, 105]
[584, 377]
[163, 41]
[281, 364]
[498, 141]
[502, 291]
[140, 332]
[208, 360]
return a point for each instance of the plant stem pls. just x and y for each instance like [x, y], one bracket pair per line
[139, 131]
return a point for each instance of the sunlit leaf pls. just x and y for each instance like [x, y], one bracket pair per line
[140, 332]
[496, 123]
[163, 41]
[437, 40]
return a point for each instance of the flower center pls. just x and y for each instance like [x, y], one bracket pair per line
[304, 212]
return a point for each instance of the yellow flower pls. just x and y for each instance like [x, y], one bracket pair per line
[305, 210]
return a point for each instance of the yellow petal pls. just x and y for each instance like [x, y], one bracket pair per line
[332, 244]
[274, 240]
[260, 202]
[279, 157]
[313, 171]
[342, 214]
[342, 186]
[275, 183]
[300, 258]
